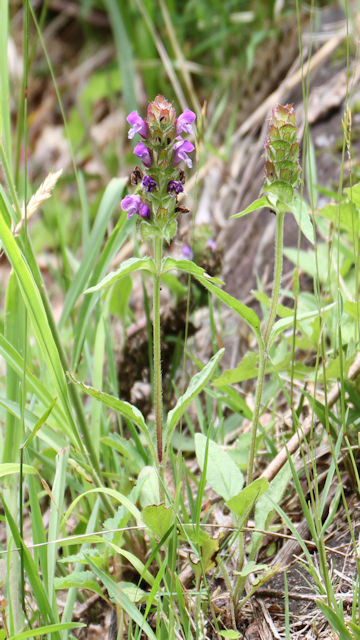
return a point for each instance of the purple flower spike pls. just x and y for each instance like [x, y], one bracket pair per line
[144, 211]
[143, 152]
[131, 204]
[181, 148]
[149, 184]
[186, 252]
[138, 125]
[184, 122]
[174, 187]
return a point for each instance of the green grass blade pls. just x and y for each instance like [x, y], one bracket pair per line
[38, 592]
[36, 312]
[117, 595]
[71, 596]
[37, 525]
[49, 628]
[56, 509]
[335, 621]
[108, 203]
[112, 246]
[124, 52]
[5, 129]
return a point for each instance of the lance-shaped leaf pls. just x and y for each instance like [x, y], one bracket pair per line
[127, 267]
[126, 409]
[247, 314]
[260, 203]
[197, 383]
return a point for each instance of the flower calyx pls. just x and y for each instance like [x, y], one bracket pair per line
[282, 168]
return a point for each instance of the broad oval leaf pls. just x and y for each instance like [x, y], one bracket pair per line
[222, 474]
[158, 518]
[243, 502]
[300, 210]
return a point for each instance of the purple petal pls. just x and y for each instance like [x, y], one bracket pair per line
[131, 204]
[184, 122]
[138, 125]
[149, 184]
[181, 148]
[143, 152]
[174, 187]
[144, 211]
[186, 252]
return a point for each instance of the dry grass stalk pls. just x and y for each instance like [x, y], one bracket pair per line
[39, 197]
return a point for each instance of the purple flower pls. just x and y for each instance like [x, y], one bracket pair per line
[149, 184]
[134, 204]
[174, 187]
[211, 244]
[186, 252]
[143, 152]
[138, 125]
[181, 148]
[144, 211]
[184, 122]
[131, 204]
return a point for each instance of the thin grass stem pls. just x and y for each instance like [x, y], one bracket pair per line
[263, 345]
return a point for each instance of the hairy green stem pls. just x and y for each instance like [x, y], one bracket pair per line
[263, 345]
[157, 354]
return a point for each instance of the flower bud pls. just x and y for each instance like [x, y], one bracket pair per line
[174, 187]
[161, 112]
[149, 184]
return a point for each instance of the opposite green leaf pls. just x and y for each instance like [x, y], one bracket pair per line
[189, 267]
[254, 206]
[124, 408]
[210, 284]
[127, 267]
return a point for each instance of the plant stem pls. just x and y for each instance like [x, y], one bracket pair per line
[157, 353]
[279, 239]
[263, 345]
